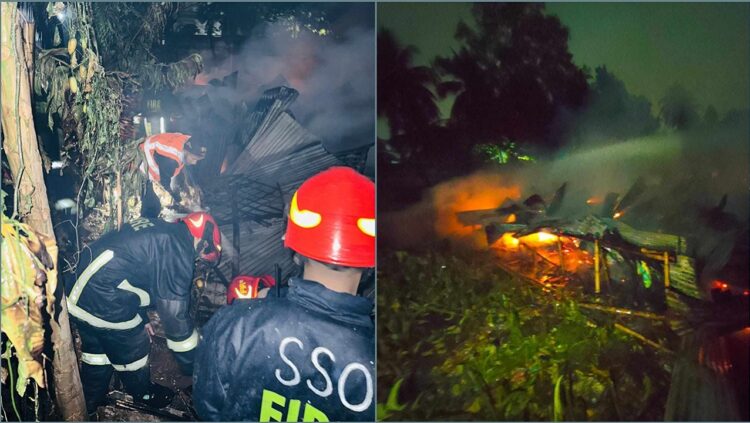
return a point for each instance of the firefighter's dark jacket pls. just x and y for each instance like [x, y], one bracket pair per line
[306, 357]
[146, 263]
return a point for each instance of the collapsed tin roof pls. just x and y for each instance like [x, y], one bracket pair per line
[248, 197]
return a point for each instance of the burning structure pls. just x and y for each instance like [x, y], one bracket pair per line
[276, 154]
[600, 247]
[691, 286]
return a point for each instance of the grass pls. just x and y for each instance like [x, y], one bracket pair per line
[460, 339]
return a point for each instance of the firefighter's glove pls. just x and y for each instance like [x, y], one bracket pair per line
[157, 396]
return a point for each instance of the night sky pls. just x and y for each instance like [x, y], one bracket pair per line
[704, 47]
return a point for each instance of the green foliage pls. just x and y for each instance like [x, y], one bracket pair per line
[87, 102]
[86, 83]
[473, 343]
[502, 153]
[391, 405]
[128, 33]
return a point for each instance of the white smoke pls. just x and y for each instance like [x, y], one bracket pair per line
[334, 75]
[683, 173]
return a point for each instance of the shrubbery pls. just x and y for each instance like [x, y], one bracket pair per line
[460, 339]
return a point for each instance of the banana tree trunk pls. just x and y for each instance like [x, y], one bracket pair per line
[21, 148]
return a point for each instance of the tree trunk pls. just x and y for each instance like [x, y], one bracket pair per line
[25, 163]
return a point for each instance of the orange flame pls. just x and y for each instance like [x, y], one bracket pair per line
[594, 200]
[507, 241]
[475, 192]
[511, 218]
[540, 238]
[617, 215]
[559, 252]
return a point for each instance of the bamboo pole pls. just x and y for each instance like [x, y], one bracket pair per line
[118, 198]
[25, 163]
[622, 311]
[642, 338]
[597, 280]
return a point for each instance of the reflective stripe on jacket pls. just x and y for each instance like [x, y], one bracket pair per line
[146, 263]
[170, 144]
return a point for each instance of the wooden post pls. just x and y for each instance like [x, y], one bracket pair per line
[25, 162]
[597, 281]
[20, 142]
[666, 269]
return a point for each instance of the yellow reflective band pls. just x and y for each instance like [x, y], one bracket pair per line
[75, 293]
[131, 367]
[185, 345]
[303, 218]
[95, 359]
[89, 318]
[197, 223]
[142, 294]
[241, 295]
[367, 226]
[91, 269]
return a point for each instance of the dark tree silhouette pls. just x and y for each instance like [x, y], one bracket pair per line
[404, 97]
[677, 108]
[711, 116]
[513, 75]
[612, 112]
[408, 104]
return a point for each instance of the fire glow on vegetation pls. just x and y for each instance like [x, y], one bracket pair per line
[475, 192]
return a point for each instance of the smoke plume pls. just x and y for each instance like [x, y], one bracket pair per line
[683, 173]
[334, 75]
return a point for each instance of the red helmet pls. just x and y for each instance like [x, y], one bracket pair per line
[244, 286]
[198, 224]
[332, 219]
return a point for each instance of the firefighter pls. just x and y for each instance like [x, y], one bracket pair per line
[308, 356]
[247, 287]
[164, 159]
[146, 263]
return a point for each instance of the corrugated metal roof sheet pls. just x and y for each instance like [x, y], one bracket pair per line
[295, 167]
[273, 141]
[260, 248]
[271, 104]
[254, 200]
[280, 156]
